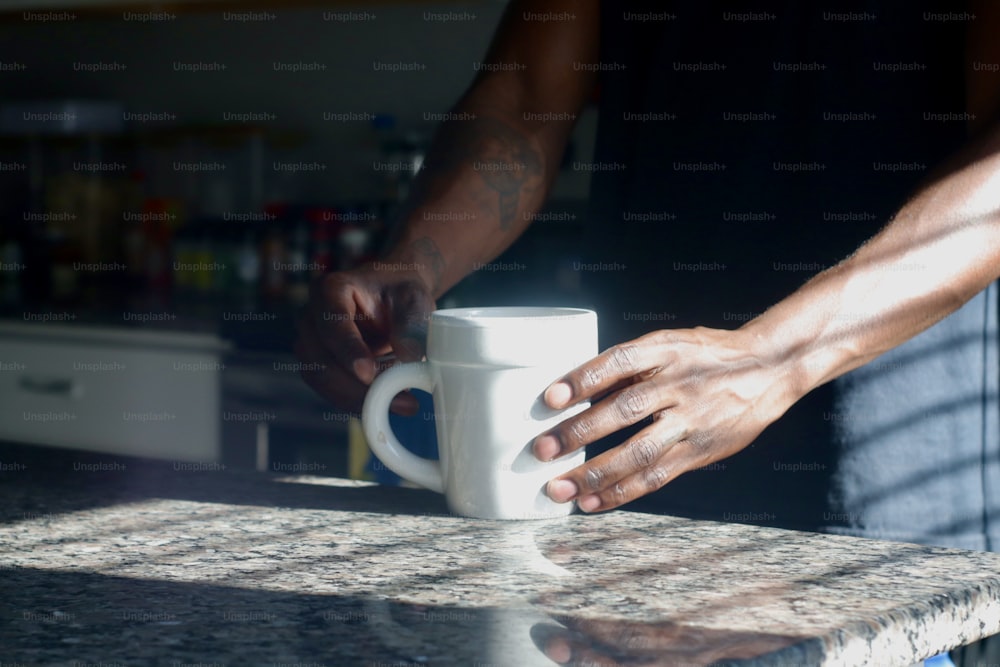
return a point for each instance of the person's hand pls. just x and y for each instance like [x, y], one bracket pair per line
[707, 392]
[352, 321]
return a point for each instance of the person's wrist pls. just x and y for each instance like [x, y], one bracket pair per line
[786, 363]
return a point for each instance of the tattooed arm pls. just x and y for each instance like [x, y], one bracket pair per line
[488, 171]
[493, 162]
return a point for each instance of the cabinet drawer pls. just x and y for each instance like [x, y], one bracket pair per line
[124, 399]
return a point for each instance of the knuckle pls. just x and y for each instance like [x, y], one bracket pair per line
[332, 287]
[594, 479]
[667, 337]
[354, 347]
[412, 307]
[414, 288]
[654, 477]
[624, 358]
[414, 323]
[641, 453]
[592, 376]
[617, 494]
[632, 403]
[700, 443]
[577, 431]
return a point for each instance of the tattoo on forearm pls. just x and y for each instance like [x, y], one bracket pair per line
[426, 249]
[502, 156]
[507, 163]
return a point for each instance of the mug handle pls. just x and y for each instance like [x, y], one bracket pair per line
[375, 422]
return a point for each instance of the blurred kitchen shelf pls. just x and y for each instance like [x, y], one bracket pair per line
[257, 325]
[211, 134]
[96, 8]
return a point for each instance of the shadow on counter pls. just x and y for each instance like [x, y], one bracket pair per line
[40, 481]
[52, 616]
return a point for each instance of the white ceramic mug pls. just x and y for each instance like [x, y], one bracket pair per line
[487, 369]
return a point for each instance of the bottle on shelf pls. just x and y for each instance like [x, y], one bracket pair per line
[247, 262]
[10, 270]
[184, 251]
[403, 152]
[273, 258]
[323, 225]
[204, 260]
[225, 244]
[353, 243]
[66, 253]
[298, 261]
[158, 226]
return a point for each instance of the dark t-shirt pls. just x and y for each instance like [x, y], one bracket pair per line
[739, 152]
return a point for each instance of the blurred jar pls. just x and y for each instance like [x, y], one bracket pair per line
[273, 257]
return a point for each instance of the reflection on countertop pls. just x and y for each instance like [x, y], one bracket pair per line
[162, 563]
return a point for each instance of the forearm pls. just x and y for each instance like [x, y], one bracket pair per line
[489, 169]
[941, 249]
[487, 173]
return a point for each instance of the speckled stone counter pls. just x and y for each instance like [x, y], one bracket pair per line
[154, 564]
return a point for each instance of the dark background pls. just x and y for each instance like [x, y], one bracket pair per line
[142, 234]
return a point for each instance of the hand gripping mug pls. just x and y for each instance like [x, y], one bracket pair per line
[486, 369]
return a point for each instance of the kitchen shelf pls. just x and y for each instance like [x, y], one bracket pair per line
[97, 8]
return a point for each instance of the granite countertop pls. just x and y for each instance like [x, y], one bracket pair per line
[123, 562]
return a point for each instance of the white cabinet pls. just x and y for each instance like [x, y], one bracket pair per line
[120, 391]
